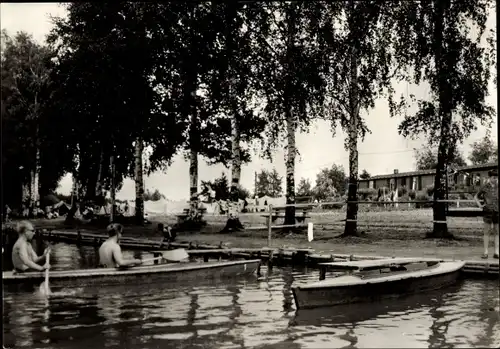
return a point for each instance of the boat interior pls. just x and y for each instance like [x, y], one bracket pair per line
[374, 268]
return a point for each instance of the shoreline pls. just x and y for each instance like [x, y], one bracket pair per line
[377, 241]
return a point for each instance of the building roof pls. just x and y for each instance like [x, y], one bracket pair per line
[429, 172]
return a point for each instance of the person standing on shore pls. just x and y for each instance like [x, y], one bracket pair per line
[24, 257]
[489, 194]
[110, 252]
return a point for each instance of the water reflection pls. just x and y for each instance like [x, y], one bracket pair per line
[241, 313]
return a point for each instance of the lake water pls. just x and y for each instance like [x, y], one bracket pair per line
[245, 313]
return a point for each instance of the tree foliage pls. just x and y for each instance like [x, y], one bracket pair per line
[439, 42]
[155, 195]
[304, 188]
[427, 159]
[222, 191]
[269, 183]
[364, 174]
[330, 182]
[484, 151]
[27, 122]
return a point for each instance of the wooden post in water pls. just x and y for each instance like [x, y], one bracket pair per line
[269, 224]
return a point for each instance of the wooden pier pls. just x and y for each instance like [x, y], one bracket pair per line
[273, 256]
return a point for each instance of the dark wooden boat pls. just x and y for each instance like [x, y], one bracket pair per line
[140, 274]
[389, 278]
[353, 313]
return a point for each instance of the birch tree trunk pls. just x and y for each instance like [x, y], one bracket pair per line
[354, 107]
[74, 199]
[233, 222]
[34, 183]
[290, 121]
[193, 153]
[98, 184]
[290, 168]
[113, 192]
[139, 182]
[440, 228]
[26, 190]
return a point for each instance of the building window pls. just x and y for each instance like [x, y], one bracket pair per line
[371, 184]
[419, 183]
[403, 181]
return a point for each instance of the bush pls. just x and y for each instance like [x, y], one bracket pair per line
[430, 190]
[412, 195]
[365, 193]
[403, 198]
[422, 196]
[402, 191]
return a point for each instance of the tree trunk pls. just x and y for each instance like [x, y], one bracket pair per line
[351, 225]
[290, 122]
[112, 214]
[193, 173]
[233, 221]
[34, 184]
[139, 182]
[193, 154]
[98, 184]
[440, 229]
[25, 196]
[74, 200]
[290, 168]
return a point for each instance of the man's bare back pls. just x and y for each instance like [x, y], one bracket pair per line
[110, 252]
[106, 254]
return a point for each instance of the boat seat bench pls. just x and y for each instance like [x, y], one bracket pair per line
[372, 264]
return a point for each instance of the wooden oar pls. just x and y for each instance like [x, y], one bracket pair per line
[44, 287]
[171, 256]
[47, 260]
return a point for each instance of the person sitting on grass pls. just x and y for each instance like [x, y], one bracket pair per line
[110, 252]
[24, 258]
[169, 235]
[489, 194]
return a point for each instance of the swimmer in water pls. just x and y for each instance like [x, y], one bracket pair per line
[110, 252]
[24, 257]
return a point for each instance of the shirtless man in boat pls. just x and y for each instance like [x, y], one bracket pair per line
[24, 257]
[489, 193]
[110, 252]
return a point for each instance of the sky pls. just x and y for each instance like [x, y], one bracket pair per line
[381, 151]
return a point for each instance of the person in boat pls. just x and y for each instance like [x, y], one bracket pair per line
[489, 194]
[24, 258]
[110, 252]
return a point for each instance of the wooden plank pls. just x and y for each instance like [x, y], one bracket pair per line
[219, 250]
[380, 263]
[472, 212]
[283, 216]
[303, 225]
